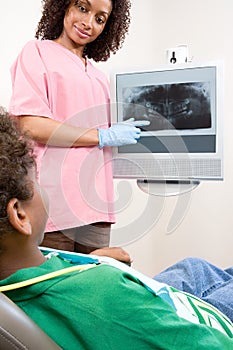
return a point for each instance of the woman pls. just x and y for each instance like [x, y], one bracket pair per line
[63, 103]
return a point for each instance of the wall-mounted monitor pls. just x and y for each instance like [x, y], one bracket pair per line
[184, 106]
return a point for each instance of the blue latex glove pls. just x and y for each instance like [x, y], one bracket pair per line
[123, 133]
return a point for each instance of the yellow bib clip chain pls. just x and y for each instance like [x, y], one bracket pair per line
[45, 277]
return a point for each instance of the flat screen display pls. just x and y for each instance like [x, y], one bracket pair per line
[183, 106]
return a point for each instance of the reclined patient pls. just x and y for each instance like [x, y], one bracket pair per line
[81, 301]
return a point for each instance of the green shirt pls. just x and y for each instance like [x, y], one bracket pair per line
[104, 308]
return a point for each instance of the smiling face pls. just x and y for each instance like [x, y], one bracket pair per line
[84, 21]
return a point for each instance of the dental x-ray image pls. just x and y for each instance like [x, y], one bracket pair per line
[169, 106]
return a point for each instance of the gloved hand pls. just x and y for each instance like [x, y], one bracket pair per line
[123, 133]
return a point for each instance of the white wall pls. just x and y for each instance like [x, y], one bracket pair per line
[206, 230]
[206, 27]
[18, 21]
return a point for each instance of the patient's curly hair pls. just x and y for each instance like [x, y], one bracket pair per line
[110, 40]
[16, 159]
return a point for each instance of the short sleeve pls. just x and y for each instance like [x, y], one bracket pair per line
[29, 84]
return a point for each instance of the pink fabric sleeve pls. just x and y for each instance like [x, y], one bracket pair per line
[29, 84]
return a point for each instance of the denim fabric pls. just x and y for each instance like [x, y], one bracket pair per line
[204, 280]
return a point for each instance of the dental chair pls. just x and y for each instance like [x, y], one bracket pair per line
[18, 331]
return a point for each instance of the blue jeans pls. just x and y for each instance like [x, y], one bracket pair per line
[204, 280]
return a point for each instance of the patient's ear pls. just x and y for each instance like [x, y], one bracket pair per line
[18, 217]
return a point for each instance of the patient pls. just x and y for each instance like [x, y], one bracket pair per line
[85, 304]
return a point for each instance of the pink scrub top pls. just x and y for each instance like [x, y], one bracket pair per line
[49, 80]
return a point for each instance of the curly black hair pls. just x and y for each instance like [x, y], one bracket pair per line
[110, 40]
[16, 159]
